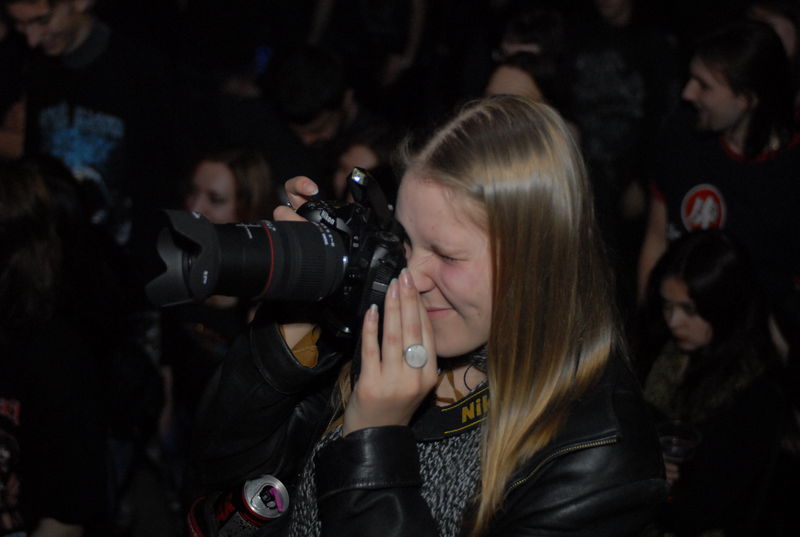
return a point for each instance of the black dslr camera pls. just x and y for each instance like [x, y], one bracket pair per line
[344, 256]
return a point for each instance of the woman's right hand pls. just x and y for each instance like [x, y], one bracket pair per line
[673, 472]
[299, 190]
[389, 390]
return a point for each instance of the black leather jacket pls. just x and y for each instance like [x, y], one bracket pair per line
[601, 475]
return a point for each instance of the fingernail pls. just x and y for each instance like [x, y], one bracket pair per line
[372, 312]
[310, 191]
[405, 277]
[393, 288]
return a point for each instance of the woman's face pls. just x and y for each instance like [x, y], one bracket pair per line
[513, 81]
[689, 330]
[213, 193]
[449, 257]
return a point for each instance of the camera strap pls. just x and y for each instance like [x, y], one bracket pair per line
[438, 422]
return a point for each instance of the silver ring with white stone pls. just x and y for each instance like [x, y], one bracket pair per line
[415, 356]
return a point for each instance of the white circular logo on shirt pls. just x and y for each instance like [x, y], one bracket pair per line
[703, 207]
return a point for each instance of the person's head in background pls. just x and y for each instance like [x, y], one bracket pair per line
[740, 84]
[708, 297]
[534, 29]
[56, 27]
[529, 75]
[370, 149]
[232, 185]
[616, 13]
[516, 75]
[784, 18]
[52, 260]
[310, 89]
[529, 56]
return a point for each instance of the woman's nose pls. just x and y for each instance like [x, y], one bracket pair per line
[675, 318]
[419, 267]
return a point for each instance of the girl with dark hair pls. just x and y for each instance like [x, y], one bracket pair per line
[55, 337]
[710, 357]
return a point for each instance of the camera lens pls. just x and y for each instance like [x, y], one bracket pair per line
[301, 261]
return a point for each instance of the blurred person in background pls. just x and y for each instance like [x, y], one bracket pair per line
[100, 104]
[61, 329]
[736, 168]
[709, 369]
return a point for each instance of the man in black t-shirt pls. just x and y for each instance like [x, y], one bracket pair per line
[739, 169]
[100, 104]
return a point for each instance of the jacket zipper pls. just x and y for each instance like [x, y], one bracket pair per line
[559, 453]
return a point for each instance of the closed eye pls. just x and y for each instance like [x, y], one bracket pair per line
[446, 258]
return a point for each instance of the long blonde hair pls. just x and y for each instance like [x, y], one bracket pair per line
[553, 323]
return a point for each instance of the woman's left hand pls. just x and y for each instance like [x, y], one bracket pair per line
[388, 390]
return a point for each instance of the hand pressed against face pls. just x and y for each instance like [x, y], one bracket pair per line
[213, 193]
[719, 109]
[689, 330]
[54, 27]
[449, 258]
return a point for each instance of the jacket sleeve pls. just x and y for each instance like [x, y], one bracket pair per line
[369, 484]
[261, 411]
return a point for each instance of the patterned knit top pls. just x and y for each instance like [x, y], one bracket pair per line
[449, 465]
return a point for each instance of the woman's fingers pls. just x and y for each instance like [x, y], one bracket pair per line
[282, 213]
[370, 349]
[409, 310]
[300, 189]
[392, 344]
[388, 390]
[428, 340]
[416, 323]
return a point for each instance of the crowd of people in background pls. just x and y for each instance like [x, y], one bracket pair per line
[686, 114]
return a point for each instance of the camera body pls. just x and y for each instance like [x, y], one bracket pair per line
[343, 258]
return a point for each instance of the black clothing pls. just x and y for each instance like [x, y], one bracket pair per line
[623, 82]
[724, 481]
[52, 436]
[602, 475]
[195, 340]
[704, 184]
[105, 111]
